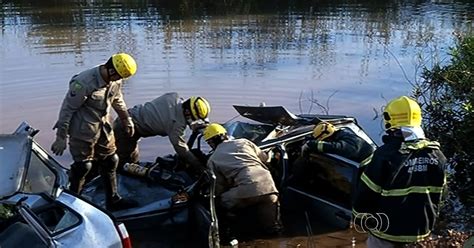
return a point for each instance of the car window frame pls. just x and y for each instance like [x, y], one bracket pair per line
[58, 170]
[32, 220]
[51, 202]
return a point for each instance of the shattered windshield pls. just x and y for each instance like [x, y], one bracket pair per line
[253, 132]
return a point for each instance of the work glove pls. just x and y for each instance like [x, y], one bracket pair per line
[59, 145]
[198, 125]
[128, 126]
[273, 154]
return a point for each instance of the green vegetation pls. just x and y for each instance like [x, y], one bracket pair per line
[446, 94]
[447, 98]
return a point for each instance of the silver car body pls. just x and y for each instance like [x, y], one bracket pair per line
[34, 182]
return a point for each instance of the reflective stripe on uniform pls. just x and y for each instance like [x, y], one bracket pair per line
[366, 161]
[400, 192]
[354, 212]
[320, 146]
[406, 147]
[413, 189]
[400, 238]
[373, 186]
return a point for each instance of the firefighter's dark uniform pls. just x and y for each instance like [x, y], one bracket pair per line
[403, 182]
[346, 143]
[343, 142]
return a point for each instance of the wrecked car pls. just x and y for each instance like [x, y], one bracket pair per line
[36, 209]
[174, 201]
[327, 194]
[176, 206]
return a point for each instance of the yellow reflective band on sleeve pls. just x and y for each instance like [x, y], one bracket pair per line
[370, 184]
[354, 212]
[400, 238]
[366, 161]
[414, 189]
[320, 146]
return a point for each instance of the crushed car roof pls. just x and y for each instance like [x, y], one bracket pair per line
[14, 154]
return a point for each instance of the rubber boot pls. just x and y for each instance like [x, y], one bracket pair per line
[113, 201]
[77, 175]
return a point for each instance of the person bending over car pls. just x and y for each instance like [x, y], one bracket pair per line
[404, 182]
[328, 139]
[245, 189]
[167, 115]
[340, 141]
[84, 116]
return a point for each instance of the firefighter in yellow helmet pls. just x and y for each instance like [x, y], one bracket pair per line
[245, 190]
[341, 141]
[403, 183]
[84, 119]
[166, 115]
[328, 138]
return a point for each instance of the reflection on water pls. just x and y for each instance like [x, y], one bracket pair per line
[346, 56]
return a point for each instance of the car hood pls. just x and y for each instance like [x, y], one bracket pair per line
[15, 150]
[279, 115]
[268, 114]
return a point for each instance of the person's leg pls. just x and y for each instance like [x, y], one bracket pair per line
[127, 147]
[268, 215]
[226, 220]
[107, 170]
[108, 160]
[264, 214]
[77, 175]
[82, 153]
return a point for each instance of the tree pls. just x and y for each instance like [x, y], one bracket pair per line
[446, 94]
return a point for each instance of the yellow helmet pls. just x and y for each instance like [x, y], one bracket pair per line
[323, 130]
[213, 130]
[200, 107]
[124, 64]
[402, 111]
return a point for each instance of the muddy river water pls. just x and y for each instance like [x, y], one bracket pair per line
[337, 57]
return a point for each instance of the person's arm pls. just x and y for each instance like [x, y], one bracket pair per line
[176, 137]
[343, 144]
[263, 156]
[118, 103]
[369, 187]
[74, 99]
[120, 107]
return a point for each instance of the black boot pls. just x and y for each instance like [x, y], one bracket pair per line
[113, 201]
[77, 175]
[120, 203]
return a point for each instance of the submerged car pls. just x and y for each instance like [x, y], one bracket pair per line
[177, 205]
[327, 193]
[36, 209]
